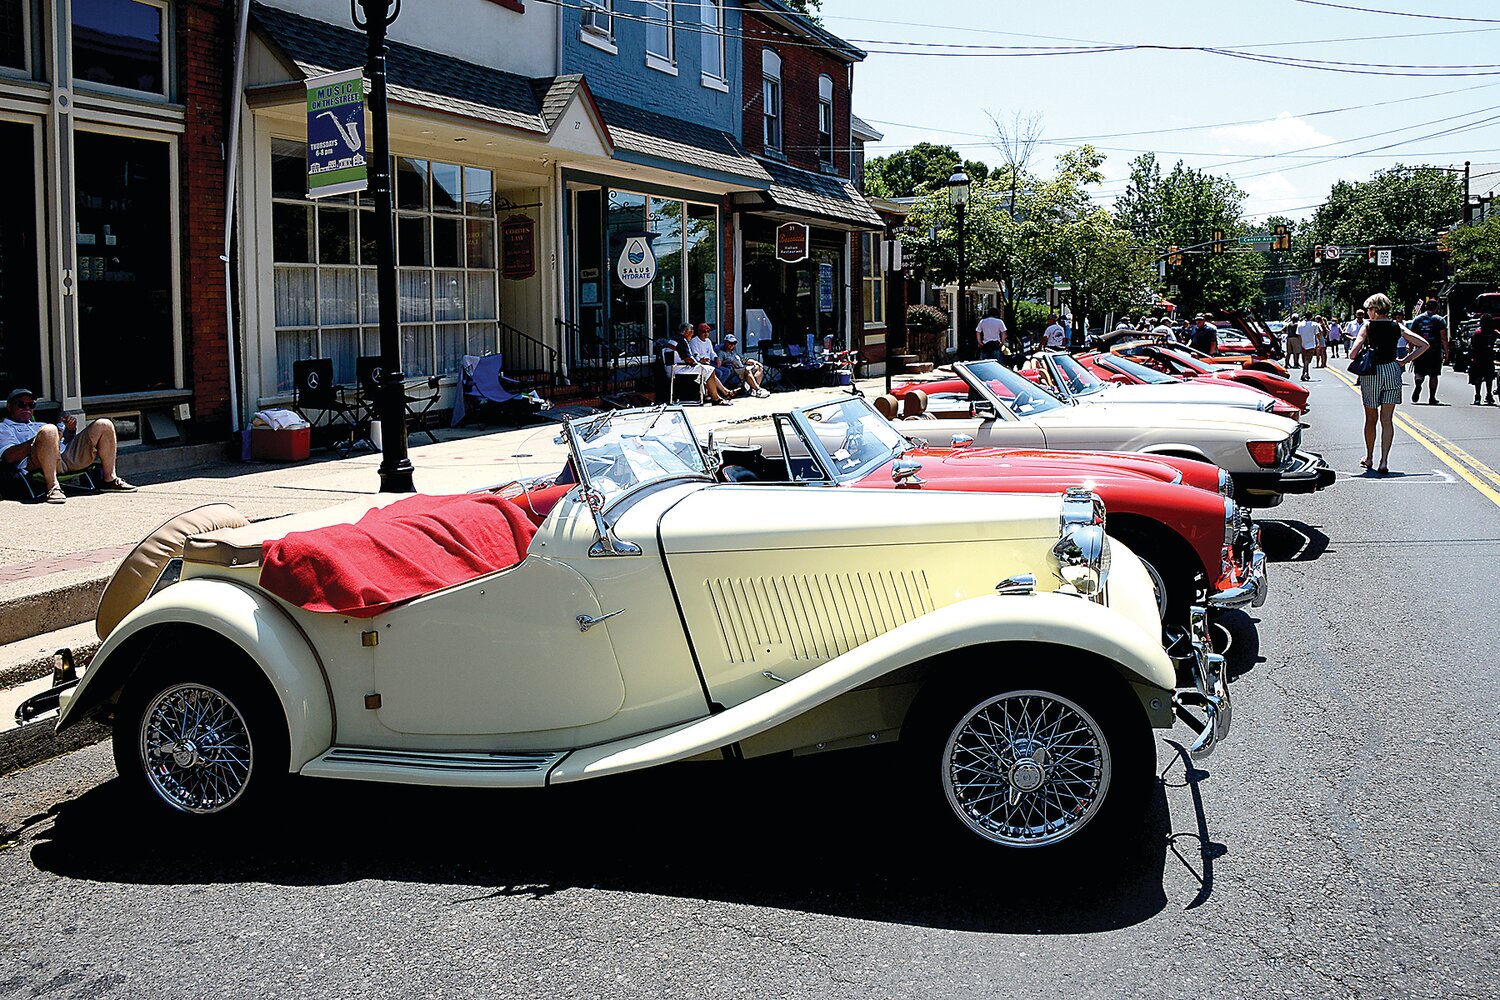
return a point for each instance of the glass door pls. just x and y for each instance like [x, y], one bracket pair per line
[20, 320]
[126, 336]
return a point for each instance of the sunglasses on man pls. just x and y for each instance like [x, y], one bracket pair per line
[24, 404]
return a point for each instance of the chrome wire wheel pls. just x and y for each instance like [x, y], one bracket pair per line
[195, 748]
[1158, 586]
[1026, 768]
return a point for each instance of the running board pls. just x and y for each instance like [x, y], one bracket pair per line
[453, 769]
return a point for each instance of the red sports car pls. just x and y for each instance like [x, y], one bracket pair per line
[1143, 362]
[1175, 514]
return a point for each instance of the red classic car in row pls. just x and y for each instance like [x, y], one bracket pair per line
[1158, 364]
[1175, 514]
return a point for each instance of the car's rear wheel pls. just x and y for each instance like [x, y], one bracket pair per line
[200, 744]
[1032, 764]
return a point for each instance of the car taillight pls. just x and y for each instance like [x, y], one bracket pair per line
[1264, 453]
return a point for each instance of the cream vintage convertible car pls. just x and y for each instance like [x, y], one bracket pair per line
[645, 615]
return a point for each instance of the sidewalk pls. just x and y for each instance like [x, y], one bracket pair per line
[55, 560]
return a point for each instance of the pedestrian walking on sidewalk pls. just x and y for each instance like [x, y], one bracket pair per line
[1335, 338]
[1381, 388]
[1482, 358]
[55, 449]
[1308, 332]
[1434, 329]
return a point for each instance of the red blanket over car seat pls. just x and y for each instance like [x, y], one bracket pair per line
[395, 553]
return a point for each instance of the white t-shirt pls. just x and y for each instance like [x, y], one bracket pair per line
[1308, 331]
[702, 349]
[991, 330]
[1056, 336]
[13, 432]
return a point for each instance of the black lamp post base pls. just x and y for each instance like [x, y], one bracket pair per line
[397, 479]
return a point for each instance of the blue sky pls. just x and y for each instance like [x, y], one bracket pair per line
[945, 98]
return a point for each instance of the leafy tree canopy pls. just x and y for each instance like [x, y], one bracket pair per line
[917, 171]
[1476, 252]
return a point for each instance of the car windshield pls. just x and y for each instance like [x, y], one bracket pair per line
[851, 436]
[1136, 370]
[1183, 362]
[622, 450]
[1078, 380]
[1023, 397]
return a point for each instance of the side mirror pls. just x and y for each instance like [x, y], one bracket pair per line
[960, 440]
[904, 472]
[985, 410]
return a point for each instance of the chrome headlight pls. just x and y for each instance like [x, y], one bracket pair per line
[1082, 549]
[1226, 484]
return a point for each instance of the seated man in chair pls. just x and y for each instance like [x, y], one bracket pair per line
[54, 449]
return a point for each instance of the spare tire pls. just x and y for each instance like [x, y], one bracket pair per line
[140, 570]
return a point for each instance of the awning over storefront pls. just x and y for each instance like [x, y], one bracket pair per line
[657, 140]
[802, 195]
[429, 80]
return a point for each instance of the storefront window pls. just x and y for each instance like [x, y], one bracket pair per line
[123, 190]
[685, 288]
[800, 303]
[20, 330]
[119, 43]
[446, 283]
[13, 35]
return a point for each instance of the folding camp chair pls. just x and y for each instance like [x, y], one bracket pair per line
[313, 388]
[368, 372]
[18, 485]
[482, 386]
[688, 384]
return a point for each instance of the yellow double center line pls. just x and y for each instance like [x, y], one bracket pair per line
[1475, 473]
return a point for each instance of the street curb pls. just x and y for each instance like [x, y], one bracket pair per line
[29, 670]
[37, 742]
[49, 610]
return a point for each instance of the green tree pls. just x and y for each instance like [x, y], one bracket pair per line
[1476, 252]
[812, 9]
[1184, 208]
[1400, 208]
[920, 170]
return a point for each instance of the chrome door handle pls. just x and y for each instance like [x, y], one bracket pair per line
[586, 622]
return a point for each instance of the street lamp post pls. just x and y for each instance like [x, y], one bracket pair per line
[395, 464]
[958, 197]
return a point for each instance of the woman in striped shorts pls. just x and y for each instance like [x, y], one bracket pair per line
[1382, 388]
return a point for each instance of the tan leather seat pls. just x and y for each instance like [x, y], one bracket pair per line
[140, 570]
[888, 406]
[914, 405]
[241, 546]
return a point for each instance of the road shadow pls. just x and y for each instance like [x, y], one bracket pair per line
[822, 835]
[1292, 541]
[1236, 636]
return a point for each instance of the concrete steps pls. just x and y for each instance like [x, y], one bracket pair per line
[52, 607]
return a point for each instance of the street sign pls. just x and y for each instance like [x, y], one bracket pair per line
[1332, 253]
[1382, 258]
[336, 134]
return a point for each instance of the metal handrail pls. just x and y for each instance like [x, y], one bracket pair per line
[525, 353]
[620, 363]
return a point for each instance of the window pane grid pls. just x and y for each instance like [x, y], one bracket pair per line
[326, 306]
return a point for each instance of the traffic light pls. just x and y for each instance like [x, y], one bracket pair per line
[1174, 256]
[1283, 240]
[1370, 254]
[1318, 254]
[1218, 241]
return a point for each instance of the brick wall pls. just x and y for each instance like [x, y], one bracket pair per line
[801, 65]
[206, 37]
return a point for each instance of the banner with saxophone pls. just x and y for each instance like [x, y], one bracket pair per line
[336, 134]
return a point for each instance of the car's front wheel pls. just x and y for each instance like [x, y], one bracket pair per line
[198, 743]
[1035, 765]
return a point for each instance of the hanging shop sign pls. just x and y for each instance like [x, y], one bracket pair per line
[336, 134]
[791, 242]
[518, 247]
[825, 287]
[637, 264]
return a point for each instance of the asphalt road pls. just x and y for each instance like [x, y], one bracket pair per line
[1344, 844]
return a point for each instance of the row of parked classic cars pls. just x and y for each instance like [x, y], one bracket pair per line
[1011, 574]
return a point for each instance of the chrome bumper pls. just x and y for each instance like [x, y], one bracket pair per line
[1252, 592]
[1204, 707]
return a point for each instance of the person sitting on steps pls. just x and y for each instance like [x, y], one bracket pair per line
[54, 449]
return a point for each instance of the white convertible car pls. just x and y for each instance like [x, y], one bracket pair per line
[558, 634]
[1071, 381]
[1263, 452]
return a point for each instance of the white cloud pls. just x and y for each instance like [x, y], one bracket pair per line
[1281, 134]
[1270, 190]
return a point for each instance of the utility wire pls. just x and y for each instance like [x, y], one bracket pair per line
[1400, 13]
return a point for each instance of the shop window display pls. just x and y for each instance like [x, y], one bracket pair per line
[327, 303]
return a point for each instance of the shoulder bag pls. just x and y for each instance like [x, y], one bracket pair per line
[1364, 363]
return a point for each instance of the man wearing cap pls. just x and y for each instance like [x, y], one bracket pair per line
[56, 448]
[745, 370]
